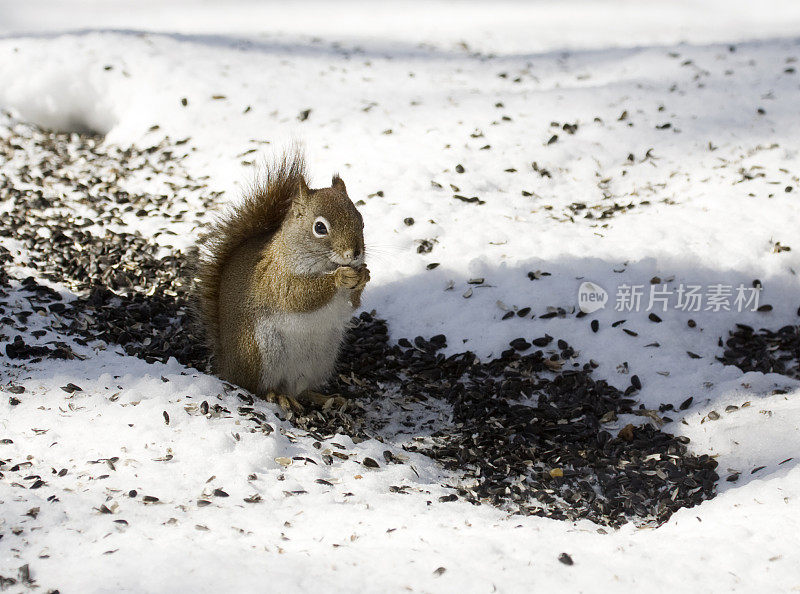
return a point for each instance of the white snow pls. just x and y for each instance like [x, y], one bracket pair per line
[400, 93]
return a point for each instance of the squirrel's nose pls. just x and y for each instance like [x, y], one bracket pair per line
[351, 255]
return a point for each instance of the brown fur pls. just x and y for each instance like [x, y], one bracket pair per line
[263, 209]
[250, 264]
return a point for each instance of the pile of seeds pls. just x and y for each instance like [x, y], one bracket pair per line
[765, 350]
[66, 193]
[529, 431]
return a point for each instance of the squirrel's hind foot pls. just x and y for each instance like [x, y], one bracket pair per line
[287, 403]
[309, 397]
[322, 401]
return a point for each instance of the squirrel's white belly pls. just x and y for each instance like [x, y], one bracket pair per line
[299, 350]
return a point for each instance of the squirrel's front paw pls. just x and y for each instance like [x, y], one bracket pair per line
[363, 277]
[347, 277]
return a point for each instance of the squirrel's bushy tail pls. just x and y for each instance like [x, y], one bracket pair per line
[262, 210]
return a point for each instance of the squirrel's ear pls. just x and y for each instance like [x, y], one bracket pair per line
[303, 188]
[338, 184]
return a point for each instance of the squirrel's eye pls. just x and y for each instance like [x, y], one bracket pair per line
[320, 227]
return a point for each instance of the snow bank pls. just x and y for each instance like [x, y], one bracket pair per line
[714, 193]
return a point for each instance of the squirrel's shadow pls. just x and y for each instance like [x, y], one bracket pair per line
[691, 355]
